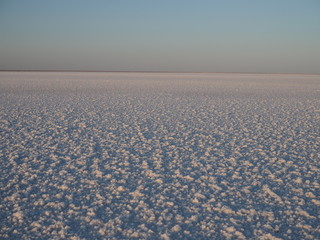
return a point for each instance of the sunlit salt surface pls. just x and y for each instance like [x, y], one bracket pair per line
[159, 156]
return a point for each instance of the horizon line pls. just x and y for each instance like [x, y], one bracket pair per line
[200, 72]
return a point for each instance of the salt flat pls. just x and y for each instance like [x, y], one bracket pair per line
[159, 155]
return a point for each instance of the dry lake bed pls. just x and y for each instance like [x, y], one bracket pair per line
[159, 156]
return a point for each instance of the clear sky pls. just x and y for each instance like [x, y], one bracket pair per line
[281, 36]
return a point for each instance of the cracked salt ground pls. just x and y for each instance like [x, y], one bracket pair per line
[159, 155]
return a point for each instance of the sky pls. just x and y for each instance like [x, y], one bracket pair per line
[274, 36]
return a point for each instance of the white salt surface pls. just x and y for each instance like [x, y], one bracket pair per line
[159, 156]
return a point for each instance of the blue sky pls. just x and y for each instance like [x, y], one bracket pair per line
[281, 36]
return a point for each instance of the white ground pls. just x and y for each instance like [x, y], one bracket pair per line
[159, 155]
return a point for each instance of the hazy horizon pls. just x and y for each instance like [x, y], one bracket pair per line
[166, 36]
[155, 72]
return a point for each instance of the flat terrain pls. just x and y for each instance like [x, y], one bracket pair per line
[159, 155]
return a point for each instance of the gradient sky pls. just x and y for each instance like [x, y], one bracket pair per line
[280, 36]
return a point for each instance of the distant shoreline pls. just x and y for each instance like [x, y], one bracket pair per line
[91, 71]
